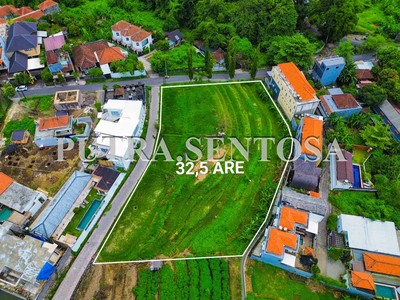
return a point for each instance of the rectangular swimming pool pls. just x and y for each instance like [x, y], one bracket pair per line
[357, 176]
[386, 291]
[89, 214]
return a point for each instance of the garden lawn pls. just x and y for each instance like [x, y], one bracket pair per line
[359, 156]
[71, 228]
[170, 214]
[270, 282]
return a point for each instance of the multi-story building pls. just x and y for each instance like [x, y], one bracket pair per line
[131, 36]
[310, 132]
[327, 70]
[292, 90]
[343, 104]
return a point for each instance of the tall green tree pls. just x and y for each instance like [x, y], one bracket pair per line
[207, 53]
[296, 49]
[335, 18]
[232, 58]
[348, 74]
[209, 66]
[345, 50]
[377, 135]
[372, 95]
[8, 91]
[189, 54]
[254, 64]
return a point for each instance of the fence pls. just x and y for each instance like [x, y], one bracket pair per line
[136, 73]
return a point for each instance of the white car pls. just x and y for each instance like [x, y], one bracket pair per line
[21, 88]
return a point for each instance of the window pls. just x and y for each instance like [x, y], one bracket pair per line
[327, 69]
[337, 67]
[137, 44]
[117, 34]
[115, 113]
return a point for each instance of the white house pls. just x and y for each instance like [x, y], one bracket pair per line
[131, 36]
[116, 134]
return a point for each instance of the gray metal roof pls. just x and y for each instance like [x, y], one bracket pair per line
[22, 36]
[304, 202]
[62, 203]
[18, 197]
[391, 113]
[335, 91]
[333, 61]
[18, 63]
[305, 175]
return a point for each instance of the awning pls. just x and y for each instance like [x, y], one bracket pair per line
[4, 214]
[46, 271]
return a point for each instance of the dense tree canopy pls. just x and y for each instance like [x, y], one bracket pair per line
[372, 95]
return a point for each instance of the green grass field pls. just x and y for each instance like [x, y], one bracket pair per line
[270, 282]
[171, 214]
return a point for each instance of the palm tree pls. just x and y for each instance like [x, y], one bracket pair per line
[348, 74]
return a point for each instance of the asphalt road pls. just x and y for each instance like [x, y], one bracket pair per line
[71, 281]
[147, 81]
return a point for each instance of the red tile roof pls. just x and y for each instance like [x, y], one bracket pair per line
[5, 182]
[218, 55]
[47, 4]
[345, 101]
[298, 81]
[140, 36]
[24, 10]
[309, 251]
[55, 122]
[291, 216]
[51, 57]
[68, 68]
[278, 239]
[363, 280]
[383, 264]
[84, 54]
[364, 74]
[3, 21]
[312, 128]
[109, 55]
[37, 14]
[130, 30]
[325, 104]
[7, 10]
[120, 25]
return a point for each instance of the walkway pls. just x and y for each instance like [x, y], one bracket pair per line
[71, 281]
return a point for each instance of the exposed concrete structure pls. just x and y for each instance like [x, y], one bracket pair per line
[66, 100]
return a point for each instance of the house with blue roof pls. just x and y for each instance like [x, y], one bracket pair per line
[53, 216]
[327, 70]
[390, 114]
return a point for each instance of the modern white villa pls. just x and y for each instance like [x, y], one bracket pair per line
[117, 132]
[131, 36]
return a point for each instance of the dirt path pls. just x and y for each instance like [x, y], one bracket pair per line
[145, 59]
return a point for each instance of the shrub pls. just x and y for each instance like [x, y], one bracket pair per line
[25, 123]
[318, 85]
[332, 222]
[330, 281]
[162, 45]
[335, 253]
[98, 106]
[315, 269]
[77, 210]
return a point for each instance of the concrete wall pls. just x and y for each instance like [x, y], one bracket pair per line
[284, 98]
[136, 73]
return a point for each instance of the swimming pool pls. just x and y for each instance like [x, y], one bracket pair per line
[386, 291]
[89, 214]
[357, 176]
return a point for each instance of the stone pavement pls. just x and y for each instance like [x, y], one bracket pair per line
[71, 281]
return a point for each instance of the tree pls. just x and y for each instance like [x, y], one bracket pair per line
[232, 58]
[377, 135]
[389, 57]
[335, 18]
[345, 50]
[46, 75]
[373, 42]
[162, 45]
[388, 75]
[170, 23]
[43, 26]
[206, 54]
[348, 74]
[105, 87]
[66, 48]
[120, 3]
[61, 78]
[209, 66]
[189, 54]
[22, 79]
[296, 49]
[359, 121]
[95, 72]
[254, 64]
[8, 91]
[372, 95]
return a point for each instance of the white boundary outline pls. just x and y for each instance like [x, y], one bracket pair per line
[151, 160]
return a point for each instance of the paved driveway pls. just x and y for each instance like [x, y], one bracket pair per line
[71, 281]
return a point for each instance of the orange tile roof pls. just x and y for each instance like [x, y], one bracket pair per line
[383, 264]
[24, 10]
[7, 10]
[278, 239]
[298, 81]
[109, 55]
[290, 216]
[3, 21]
[37, 14]
[140, 36]
[309, 251]
[55, 122]
[315, 194]
[325, 104]
[130, 30]
[311, 128]
[46, 4]
[363, 280]
[5, 182]
[120, 25]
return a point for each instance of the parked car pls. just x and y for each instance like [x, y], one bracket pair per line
[21, 88]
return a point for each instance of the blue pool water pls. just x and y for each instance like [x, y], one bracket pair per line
[89, 214]
[385, 291]
[357, 177]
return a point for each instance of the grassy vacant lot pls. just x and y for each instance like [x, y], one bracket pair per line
[171, 215]
[270, 282]
[71, 228]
